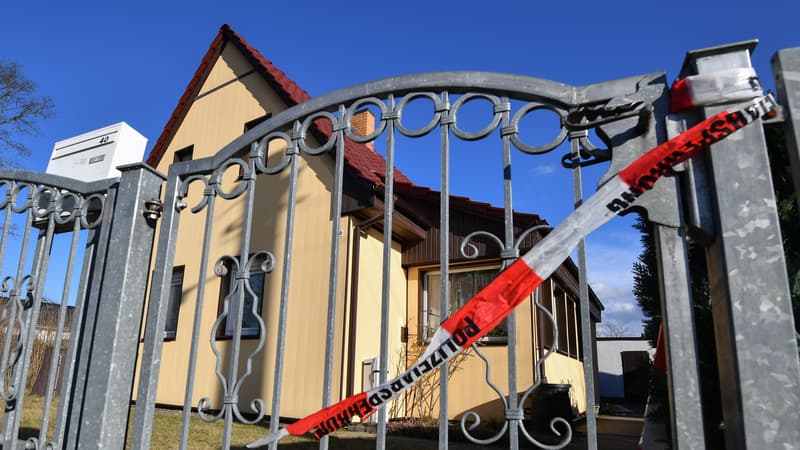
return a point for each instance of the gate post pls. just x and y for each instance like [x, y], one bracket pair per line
[754, 328]
[100, 417]
[786, 69]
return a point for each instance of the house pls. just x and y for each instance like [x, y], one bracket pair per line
[236, 88]
[623, 365]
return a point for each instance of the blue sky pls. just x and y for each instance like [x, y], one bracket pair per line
[106, 62]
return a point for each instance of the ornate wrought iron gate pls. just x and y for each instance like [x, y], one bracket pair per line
[756, 335]
[108, 226]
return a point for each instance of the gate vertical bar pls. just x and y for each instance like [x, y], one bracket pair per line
[230, 399]
[39, 273]
[293, 151]
[119, 314]
[587, 337]
[514, 413]
[388, 210]
[16, 314]
[62, 313]
[444, 260]
[198, 317]
[336, 216]
[69, 374]
[786, 69]
[754, 327]
[86, 320]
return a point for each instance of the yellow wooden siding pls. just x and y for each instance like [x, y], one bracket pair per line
[212, 121]
[370, 288]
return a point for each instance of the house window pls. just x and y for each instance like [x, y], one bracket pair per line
[235, 294]
[174, 305]
[255, 122]
[184, 154]
[544, 325]
[574, 332]
[562, 321]
[463, 284]
[565, 315]
[245, 152]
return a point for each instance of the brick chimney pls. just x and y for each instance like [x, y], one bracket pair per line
[363, 123]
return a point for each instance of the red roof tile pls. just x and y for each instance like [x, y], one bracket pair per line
[185, 101]
[413, 191]
[362, 160]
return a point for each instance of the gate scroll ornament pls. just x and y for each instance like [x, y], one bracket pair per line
[489, 307]
[42, 203]
[51, 209]
[513, 409]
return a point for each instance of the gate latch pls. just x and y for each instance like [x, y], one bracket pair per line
[152, 209]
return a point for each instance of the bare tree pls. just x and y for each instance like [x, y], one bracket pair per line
[21, 107]
[614, 329]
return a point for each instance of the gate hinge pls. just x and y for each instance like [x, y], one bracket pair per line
[152, 209]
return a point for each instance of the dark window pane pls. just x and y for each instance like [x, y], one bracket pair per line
[184, 154]
[234, 294]
[574, 348]
[255, 122]
[561, 321]
[252, 307]
[544, 324]
[463, 285]
[175, 294]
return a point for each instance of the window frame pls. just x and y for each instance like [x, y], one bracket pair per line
[183, 154]
[543, 325]
[174, 302]
[426, 328]
[226, 329]
[566, 310]
[250, 124]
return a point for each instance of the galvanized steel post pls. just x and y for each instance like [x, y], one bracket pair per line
[754, 327]
[786, 69]
[109, 380]
[663, 208]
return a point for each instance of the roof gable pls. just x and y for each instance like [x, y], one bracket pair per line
[362, 161]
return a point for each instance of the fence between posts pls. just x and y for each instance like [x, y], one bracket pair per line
[102, 348]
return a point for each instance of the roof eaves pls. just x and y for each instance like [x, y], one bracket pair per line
[186, 99]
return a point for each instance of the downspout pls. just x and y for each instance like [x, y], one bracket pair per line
[351, 335]
[348, 268]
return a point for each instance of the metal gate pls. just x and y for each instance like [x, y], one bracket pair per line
[105, 232]
[216, 206]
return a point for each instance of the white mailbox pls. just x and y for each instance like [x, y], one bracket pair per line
[96, 155]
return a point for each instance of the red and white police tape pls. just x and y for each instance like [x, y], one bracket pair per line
[512, 286]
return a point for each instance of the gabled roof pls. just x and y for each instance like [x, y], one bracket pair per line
[362, 161]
